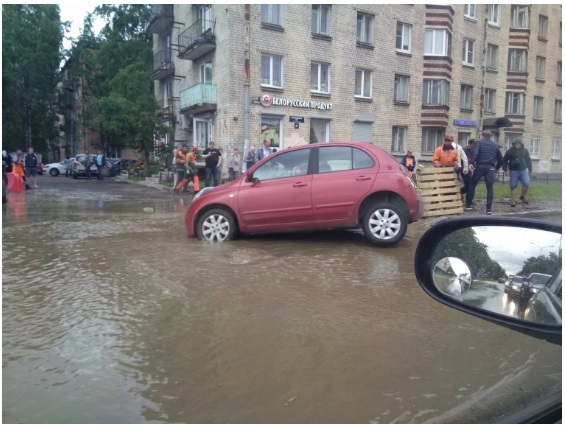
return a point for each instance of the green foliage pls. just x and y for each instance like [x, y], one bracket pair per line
[542, 264]
[538, 191]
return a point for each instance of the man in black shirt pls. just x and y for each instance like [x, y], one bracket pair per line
[212, 157]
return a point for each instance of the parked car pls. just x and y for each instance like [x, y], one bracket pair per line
[318, 186]
[540, 318]
[78, 166]
[55, 169]
[117, 166]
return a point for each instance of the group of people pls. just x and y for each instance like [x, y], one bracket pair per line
[24, 167]
[480, 159]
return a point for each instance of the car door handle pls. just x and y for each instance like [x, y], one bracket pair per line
[299, 184]
[361, 178]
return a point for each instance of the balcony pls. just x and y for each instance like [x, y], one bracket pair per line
[166, 113]
[163, 66]
[197, 40]
[198, 98]
[161, 18]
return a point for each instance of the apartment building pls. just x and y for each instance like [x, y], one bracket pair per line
[398, 76]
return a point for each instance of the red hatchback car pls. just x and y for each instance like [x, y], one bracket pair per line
[319, 186]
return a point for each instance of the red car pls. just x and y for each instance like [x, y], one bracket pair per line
[318, 186]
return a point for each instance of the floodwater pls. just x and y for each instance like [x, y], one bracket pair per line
[112, 315]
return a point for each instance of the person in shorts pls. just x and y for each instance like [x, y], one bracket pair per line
[517, 160]
[31, 163]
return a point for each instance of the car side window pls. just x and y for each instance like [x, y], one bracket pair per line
[362, 160]
[334, 159]
[288, 164]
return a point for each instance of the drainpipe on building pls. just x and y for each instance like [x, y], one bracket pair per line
[246, 85]
[483, 76]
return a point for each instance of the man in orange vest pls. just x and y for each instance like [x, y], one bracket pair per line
[446, 155]
[409, 162]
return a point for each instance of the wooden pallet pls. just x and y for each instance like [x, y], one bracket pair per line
[440, 191]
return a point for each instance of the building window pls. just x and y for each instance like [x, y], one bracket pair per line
[492, 56]
[205, 17]
[494, 14]
[399, 139]
[206, 72]
[431, 139]
[362, 131]
[437, 42]
[271, 14]
[320, 77]
[470, 11]
[167, 94]
[363, 83]
[403, 37]
[466, 97]
[271, 129]
[540, 68]
[436, 92]
[519, 17]
[534, 148]
[401, 88]
[319, 130]
[271, 70]
[543, 25]
[321, 18]
[364, 28]
[558, 111]
[510, 138]
[468, 51]
[490, 100]
[538, 107]
[515, 103]
[517, 60]
[556, 149]
[463, 138]
[559, 71]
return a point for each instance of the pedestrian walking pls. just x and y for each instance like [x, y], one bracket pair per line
[180, 164]
[487, 158]
[31, 163]
[68, 166]
[234, 165]
[211, 156]
[517, 160]
[409, 162]
[173, 168]
[100, 164]
[87, 164]
[468, 177]
[250, 157]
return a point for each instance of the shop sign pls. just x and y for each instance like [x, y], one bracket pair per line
[268, 100]
[463, 122]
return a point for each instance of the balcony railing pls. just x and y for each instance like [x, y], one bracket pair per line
[161, 18]
[163, 66]
[200, 97]
[197, 40]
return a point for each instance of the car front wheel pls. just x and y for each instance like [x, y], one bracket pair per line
[54, 172]
[384, 224]
[216, 224]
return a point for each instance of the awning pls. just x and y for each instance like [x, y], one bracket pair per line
[496, 122]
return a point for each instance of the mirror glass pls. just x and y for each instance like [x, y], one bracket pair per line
[509, 270]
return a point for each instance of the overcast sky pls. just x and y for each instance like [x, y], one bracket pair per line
[75, 12]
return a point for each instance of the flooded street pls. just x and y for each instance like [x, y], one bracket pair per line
[112, 315]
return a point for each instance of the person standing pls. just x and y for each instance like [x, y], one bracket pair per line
[68, 166]
[234, 166]
[517, 160]
[212, 156]
[409, 162]
[264, 151]
[468, 177]
[31, 163]
[87, 164]
[173, 168]
[487, 158]
[250, 157]
[100, 164]
[446, 155]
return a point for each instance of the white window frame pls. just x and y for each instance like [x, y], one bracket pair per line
[537, 112]
[540, 68]
[490, 100]
[202, 133]
[364, 30]
[519, 15]
[432, 137]
[517, 60]
[319, 13]
[494, 14]
[271, 14]
[543, 25]
[317, 68]
[466, 101]
[272, 70]
[515, 103]
[470, 11]
[468, 51]
[492, 56]
[435, 92]
[325, 123]
[556, 149]
[559, 71]
[361, 77]
[403, 37]
[399, 139]
[558, 110]
[535, 147]
[167, 93]
[272, 120]
[205, 76]
[437, 42]
[205, 17]
[401, 88]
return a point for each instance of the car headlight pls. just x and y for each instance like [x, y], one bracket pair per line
[202, 192]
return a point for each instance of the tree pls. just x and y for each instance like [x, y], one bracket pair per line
[541, 264]
[32, 36]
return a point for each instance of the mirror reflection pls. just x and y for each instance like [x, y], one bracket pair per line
[512, 271]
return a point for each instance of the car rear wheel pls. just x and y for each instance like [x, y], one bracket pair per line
[54, 172]
[216, 225]
[384, 224]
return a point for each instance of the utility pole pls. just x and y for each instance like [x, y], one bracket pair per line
[246, 85]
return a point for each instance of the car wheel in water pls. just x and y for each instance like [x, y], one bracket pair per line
[216, 225]
[54, 172]
[384, 224]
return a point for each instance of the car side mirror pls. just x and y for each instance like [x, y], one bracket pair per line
[504, 270]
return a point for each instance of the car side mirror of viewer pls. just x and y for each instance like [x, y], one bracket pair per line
[504, 270]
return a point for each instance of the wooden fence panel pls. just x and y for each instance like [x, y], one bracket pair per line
[440, 191]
